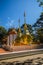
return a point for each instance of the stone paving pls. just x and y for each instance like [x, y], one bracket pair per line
[34, 61]
[3, 51]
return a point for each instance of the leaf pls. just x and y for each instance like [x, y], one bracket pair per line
[38, 0]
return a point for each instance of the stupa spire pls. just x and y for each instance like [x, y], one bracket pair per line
[19, 29]
[24, 18]
[25, 25]
[19, 23]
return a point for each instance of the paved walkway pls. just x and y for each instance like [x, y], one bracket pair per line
[2, 50]
[22, 59]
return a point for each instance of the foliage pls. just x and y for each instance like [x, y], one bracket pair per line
[18, 39]
[38, 27]
[3, 33]
[40, 34]
[40, 2]
[28, 26]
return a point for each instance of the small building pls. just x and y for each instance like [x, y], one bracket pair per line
[12, 34]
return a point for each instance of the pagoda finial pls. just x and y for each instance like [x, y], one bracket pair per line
[24, 14]
[25, 25]
[19, 23]
[24, 18]
[19, 29]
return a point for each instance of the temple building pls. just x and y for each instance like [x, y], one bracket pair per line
[12, 34]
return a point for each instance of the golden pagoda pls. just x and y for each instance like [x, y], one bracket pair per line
[19, 34]
[26, 37]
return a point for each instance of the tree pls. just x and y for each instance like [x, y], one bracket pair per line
[3, 33]
[40, 34]
[40, 2]
[28, 26]
[38, 27]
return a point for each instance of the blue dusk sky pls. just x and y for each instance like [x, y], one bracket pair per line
[12, 10]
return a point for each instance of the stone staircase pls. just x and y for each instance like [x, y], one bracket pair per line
[34, 61]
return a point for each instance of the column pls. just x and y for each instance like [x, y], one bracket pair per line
[8, 40]
[11, 39]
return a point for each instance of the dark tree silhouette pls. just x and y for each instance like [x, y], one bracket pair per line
[29, 27]
[40, 2]
[3, 33]
[38, 28]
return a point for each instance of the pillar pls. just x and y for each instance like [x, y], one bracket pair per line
[8, 40]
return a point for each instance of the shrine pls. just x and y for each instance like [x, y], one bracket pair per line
[17, 37]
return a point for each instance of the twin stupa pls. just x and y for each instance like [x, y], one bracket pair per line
[18, 37]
